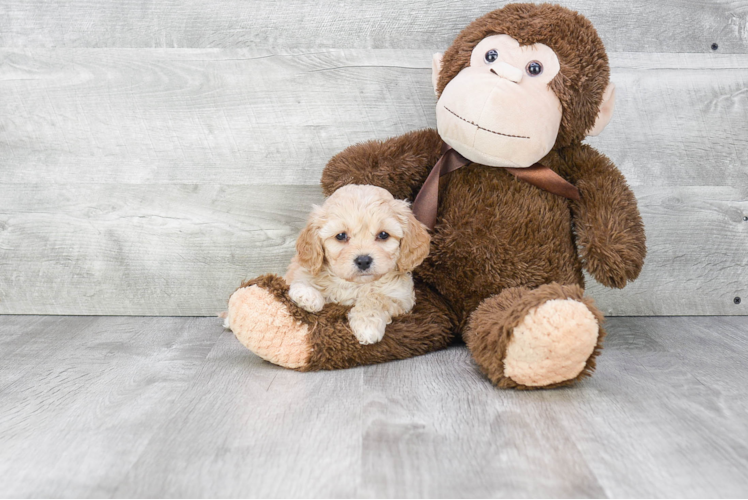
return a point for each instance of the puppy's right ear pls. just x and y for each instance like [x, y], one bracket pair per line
[309, 249]
[416, 241]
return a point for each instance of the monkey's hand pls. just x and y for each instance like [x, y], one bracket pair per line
[609, 229]
[400, 164]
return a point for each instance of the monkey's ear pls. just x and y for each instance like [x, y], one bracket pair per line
[436, 68]
[606, 110]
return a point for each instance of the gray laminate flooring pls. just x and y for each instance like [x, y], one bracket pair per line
[158, 406]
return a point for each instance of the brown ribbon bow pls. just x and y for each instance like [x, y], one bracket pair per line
[427, 201]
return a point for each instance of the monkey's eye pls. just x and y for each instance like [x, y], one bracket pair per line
[383, 236]
[341, 236]
[534, 68]
[491, 56]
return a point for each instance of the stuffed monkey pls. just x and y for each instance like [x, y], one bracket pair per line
[522, 208]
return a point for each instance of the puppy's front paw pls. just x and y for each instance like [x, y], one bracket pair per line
[367, 327]
[307, 297]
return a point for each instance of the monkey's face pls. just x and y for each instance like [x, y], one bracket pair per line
[500, 111]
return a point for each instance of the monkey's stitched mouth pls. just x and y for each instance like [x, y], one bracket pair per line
[484, 128]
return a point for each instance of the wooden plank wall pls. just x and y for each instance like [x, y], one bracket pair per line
[154, 154]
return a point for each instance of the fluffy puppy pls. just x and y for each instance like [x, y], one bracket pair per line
[358, 249]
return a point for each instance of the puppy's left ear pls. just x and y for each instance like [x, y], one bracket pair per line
[415, 243]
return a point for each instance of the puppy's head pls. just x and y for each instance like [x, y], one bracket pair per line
[362, 233]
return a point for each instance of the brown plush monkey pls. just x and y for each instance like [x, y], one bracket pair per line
[519, 89]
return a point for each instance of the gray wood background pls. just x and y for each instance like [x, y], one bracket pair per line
[132, 407]
[154, 154]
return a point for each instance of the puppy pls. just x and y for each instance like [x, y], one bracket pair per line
[358, 249]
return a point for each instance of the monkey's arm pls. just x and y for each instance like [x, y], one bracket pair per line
[609, 229]
[399, 165]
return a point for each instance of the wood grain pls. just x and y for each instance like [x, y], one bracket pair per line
[81, 415]
[153, 181]
[176, 407]
[24, 342]
[660, 415]
[200, 116]
[435, 428]
[142, 250]
[679, 375]
[258, 117]
[182, 249]
[638, 25]
[276, 433]
[696, 260]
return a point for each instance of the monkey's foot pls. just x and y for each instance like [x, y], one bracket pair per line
[265, 319]
[268, 325]
[552, 344]
[547, 337]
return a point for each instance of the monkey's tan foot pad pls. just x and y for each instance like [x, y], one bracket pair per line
[552, 345]
[264, 324]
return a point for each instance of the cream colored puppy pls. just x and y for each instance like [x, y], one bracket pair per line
[358, 249]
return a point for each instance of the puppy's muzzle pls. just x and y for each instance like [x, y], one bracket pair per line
[363, 262]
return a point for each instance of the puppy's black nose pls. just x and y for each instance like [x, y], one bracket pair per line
[363, 262]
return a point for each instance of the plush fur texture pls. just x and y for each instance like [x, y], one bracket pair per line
[501, 248]
[359, 221]
[324, 340]
[552, 344]
[265, 327]
[399, 165]
[584, 73]
[492, 326]
[489, 111]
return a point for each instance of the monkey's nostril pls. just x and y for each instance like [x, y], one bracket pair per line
[363, 262]
[507, 72]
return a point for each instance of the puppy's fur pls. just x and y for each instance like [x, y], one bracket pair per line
[359, 222]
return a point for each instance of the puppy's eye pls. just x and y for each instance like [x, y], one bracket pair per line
[341, 236]
[383, 236]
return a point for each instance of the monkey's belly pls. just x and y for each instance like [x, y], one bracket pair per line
[495, 231]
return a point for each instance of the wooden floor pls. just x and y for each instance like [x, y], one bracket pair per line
[168, 407]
